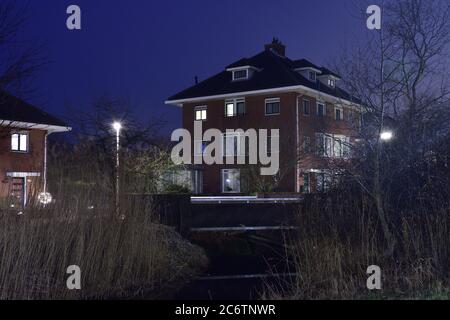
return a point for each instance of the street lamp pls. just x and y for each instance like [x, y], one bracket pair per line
[117, 127]
[386, 135]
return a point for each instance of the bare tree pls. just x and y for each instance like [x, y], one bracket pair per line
[18, 61]
[401, 76]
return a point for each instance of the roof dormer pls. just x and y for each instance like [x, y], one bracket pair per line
[309, 73]
[329, 80]
[242, 72]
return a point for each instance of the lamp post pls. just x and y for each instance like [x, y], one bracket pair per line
[117, 127]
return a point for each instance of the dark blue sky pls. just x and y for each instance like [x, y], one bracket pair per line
[146, 50]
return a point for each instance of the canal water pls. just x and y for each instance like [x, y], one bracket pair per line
[243, 264]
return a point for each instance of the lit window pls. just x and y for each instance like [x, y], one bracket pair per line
[312, 76]
[231, 181]
[240, 74]
[233, 145]
[339, 114]
[272, 106]
[234, 107]
[306, 107]
[19, 142]
[321, 109]
[331, 83]
[324, 145]
[335, 146]
[200, 113]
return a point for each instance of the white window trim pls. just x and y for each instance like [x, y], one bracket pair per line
[309, 107]
[235, 101]
[19, 133]
[222, 174]
[233, 72]
[333, 139]
[331, 83]
[238, 140]
[342, 113]
[200, 108]
[272, 100]
[324, 108]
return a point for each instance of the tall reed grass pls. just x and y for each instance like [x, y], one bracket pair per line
[339, 237]
[126, 254]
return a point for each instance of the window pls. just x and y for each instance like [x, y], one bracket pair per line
[312, 76]
[335, 146]
[240, 74]
[306, 107]
[19, 142]
[324, 181]
[200, 113]
[306, 145]
[231, 181]
[338, 114]
[232, 145]
[321, 111]
[331, 83]
[272, 106]
[305, 188]
[272, 149]
[234, 107]
[341, 146]
[199, 147]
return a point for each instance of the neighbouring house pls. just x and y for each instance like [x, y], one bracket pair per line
[318, 121]
[23, 149]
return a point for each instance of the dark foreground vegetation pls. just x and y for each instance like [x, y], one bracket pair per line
[340, 236]
[128, 257]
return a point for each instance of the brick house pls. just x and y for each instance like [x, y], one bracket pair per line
[23, 142]
[318, 121]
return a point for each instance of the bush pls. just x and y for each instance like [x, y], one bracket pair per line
[340, 236]
[176, 188]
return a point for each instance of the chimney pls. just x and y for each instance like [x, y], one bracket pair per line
[277, 47]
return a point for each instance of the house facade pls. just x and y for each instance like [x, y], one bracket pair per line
[23, 143]
[318, 122]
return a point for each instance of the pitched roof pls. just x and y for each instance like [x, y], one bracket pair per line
[275, 71]
[15, 109]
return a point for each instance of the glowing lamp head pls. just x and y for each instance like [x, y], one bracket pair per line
[117, 126]
[386, 135]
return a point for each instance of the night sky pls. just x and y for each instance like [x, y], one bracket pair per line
[145, 51]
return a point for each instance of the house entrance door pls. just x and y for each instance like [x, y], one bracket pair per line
[18, 192]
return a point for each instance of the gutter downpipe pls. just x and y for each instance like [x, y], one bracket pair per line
[45, 158]
[297, 166]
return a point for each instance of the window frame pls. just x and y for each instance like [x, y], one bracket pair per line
[309, 107]
[336, 146]
[240, 78]
[341, 111]
[201, 109]
[19, 135]
[235, 102]
[272, 101]
[306, 144]
[324, 109]
[314, 78]
[202, 148]
[331, 83]
[222, 175]
[237, 144]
